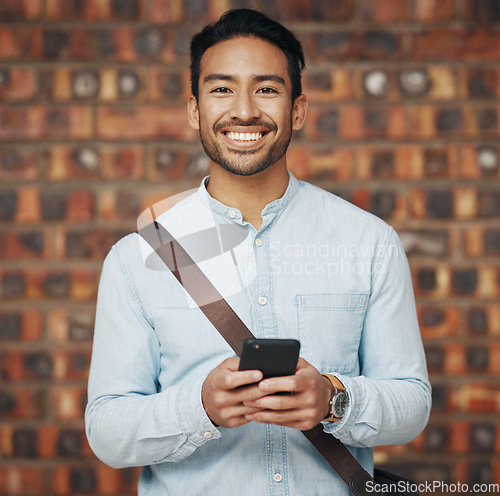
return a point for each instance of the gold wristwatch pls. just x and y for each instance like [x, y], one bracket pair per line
[338, 401]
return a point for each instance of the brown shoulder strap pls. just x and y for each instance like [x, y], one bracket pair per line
[234, 331]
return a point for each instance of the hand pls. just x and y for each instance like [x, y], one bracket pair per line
[303, 409]
[224, 403]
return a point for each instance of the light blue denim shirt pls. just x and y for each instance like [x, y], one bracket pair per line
[319, 270]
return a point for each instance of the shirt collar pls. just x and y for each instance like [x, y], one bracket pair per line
[271, 210]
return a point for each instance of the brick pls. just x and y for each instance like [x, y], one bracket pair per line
[422, 122]
[337, 45]
[481, 82]
[27, 204]
[441, 397]
[93, 479]
[383, 13]
[480, 161]
[398, 162]
[95, 10]
[87, 244]
[17, 84]
[88, 162]
[477, 398]
[20, 10]
[322, 164]
[71, 325]
[59, 365]
[166, 11]
[443, 83]
[21, 479]
[8, 204]
[74, 284]
[482, 11]
[488, 203]
[435, 10]
[438, 322]
[46, 441]
[18, 164]
[317, 10]
[65, 44]
[22, 404]
[144, 123]
[24, 245]
[414, 82]
[480, 241]
[328, 85]
[34, 123]
[372, 122]
[432, 282]
[480, 473]
[449, 120]
[428, 11]
[464, 281]
[487, 286]
[456, 44]
[76, 205]
[168, 164]
[20, 43]
[165, 84]
[67, 402]
[151, 43]
[23, 325]
[108, 84]
[482, 438]
[381, 45]
[384, 203]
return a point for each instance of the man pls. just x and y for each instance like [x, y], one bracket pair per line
[165, 392]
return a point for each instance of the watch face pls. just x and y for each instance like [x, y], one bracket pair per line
[340, 404]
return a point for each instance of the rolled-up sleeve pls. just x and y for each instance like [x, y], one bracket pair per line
[390, 400]
[129, 421]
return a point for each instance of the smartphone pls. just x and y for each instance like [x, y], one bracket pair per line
[273, 357]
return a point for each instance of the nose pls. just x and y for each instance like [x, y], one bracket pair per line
[244, 107]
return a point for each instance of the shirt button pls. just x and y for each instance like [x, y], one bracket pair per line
[258, 241]
[262, 300]
[278, 477]
[232, 214]
[207, 435]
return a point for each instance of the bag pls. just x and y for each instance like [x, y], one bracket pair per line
[394, 484]
[235, 332]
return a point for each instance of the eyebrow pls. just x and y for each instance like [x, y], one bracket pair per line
[217, 76]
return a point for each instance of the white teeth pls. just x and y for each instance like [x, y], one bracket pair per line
[244, 136]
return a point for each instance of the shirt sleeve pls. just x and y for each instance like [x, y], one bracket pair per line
[390, 401]
[128, 421]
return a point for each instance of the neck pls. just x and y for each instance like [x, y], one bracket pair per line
[249, 194]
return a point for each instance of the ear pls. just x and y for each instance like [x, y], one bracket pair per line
[193, 112]
[299, 112]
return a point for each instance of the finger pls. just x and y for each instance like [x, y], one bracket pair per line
[276, 402]
[298, 419]
[280, 417]
[290, 383]
[228, 380]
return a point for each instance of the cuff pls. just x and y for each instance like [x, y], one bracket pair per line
[192, 417]
[341, 428]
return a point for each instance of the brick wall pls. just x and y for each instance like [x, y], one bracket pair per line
[404, 122]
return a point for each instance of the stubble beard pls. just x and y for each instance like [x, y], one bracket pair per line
[243, 162]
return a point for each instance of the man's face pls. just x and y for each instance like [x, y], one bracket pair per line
[244, 110]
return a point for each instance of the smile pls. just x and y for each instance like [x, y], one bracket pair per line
[243, 136]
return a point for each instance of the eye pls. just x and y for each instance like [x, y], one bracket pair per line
[267, 90]
[221, 90]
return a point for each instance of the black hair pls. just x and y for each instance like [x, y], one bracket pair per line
[246, 22]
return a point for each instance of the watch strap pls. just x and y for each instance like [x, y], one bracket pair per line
[337, 386]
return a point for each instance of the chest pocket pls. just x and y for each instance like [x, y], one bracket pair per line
[329, 329]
